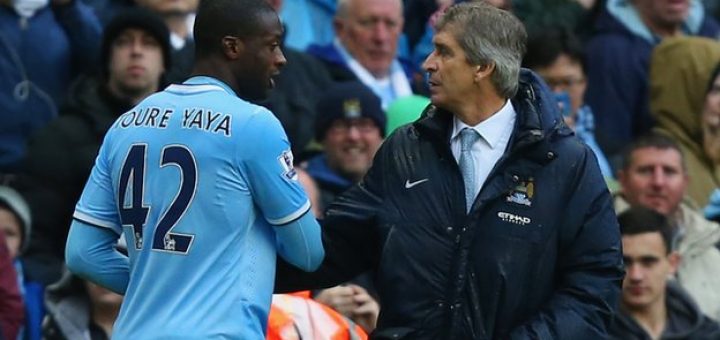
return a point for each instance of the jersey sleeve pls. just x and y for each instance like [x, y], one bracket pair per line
[97, 204]
[268, 166]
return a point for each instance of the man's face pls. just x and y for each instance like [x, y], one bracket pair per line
[370, 33]
[261, 59]
[654, 179]
[136, 62]
[10, 225]
[664, 12]
[170, 7]
[566, 75]
[452, 78]
[647, 267]
[350, 145]
[710, 122]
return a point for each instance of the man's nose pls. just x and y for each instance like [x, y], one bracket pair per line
[429, 64]
[634, 272]
[280, 58]
[658, 177]
[381, 32]
[353, 132]
[136, 47]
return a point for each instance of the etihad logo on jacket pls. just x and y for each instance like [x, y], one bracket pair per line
[515, 219]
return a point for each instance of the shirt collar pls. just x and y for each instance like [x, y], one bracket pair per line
[491, 129]
[205, 80]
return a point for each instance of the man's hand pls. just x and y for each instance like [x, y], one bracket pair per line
[339, 298]
[354, 302]
[367, 310]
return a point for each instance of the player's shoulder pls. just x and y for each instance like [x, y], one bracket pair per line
[258, 116]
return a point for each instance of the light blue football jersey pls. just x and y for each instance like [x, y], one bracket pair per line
[195, 177]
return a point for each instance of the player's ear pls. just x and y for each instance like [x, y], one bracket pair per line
[232, 47]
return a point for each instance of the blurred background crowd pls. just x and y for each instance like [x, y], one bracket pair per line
[637, 80]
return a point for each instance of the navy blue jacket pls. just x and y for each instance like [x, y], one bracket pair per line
[39, 57]
[538, 256]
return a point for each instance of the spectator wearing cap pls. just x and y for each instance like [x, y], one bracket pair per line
[15, 225]
[135, 54]
[350, 125]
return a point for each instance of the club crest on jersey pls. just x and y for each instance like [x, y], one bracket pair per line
[522, 193]
[286, 162]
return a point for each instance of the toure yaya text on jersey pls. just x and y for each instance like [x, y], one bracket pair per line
[194, 118]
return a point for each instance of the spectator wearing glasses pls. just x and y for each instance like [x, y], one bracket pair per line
[558, 57]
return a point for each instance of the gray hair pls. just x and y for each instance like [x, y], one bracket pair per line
[343, 8]
[488, 35]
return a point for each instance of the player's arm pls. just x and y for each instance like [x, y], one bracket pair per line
[299, 242]
[279, 195]
[90, 253]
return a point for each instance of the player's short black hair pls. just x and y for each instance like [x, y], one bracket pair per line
[216, 19]
[546, 45]
[640, 220]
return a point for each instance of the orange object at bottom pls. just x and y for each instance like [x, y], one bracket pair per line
[297, 316]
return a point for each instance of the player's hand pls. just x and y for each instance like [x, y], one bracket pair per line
[367, 310]
[340, 298]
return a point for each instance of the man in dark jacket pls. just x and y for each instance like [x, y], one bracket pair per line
[135, 54]
[653, 307]
[509, 236]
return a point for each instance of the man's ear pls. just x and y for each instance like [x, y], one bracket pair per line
[674, 259]
[483, 71]
[232, 47]
[338, 25]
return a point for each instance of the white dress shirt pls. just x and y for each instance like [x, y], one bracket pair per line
[494, 137]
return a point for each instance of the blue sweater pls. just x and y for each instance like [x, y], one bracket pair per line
[39, 57]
